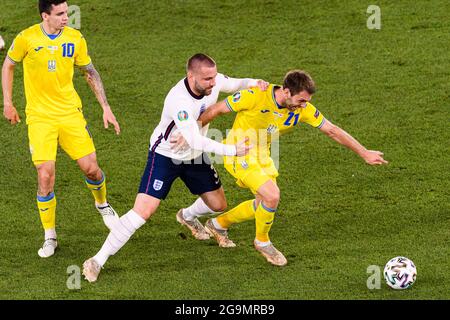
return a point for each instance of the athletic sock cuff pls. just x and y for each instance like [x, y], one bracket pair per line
[267, 208]
[136, 220]
[47, 198]
[96, 183]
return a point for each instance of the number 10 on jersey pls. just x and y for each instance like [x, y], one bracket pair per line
[68, 49]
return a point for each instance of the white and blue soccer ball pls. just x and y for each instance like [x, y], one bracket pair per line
[400, 273]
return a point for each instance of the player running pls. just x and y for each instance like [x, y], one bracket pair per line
[49, 51]
[272, 112]
[183, 105]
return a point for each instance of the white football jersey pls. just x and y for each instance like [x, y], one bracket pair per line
[182, 108]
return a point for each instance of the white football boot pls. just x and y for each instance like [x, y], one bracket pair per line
[91, 270]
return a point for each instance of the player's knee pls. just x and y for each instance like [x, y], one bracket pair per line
[219, 206]
[144, 212]
[45, 177]
[46, 183]
[93, 173]
[145, 206]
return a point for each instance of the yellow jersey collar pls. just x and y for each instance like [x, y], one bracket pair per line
[50, 36]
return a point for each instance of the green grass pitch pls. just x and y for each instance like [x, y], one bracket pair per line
[389, 88]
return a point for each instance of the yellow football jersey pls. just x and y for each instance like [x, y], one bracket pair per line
[48, 63]
[260, 118]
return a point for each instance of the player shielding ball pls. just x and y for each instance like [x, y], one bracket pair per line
[272, 112]
[49, 51]
[184, 103]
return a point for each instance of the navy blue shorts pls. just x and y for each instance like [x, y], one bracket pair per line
[198, 175]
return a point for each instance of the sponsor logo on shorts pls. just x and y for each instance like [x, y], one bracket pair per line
[272, 129]
[244, 165]
[216, 175]
[183, 115]
[157, 184]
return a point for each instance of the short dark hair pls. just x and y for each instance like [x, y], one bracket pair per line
[46, 5]
[199, 59]
[297, 81]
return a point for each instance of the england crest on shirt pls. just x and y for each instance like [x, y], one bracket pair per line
[157, 184]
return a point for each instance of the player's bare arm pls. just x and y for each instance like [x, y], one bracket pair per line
[95, 82]
[9, 111]
[371, 157]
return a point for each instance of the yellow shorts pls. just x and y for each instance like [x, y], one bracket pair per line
[251, 172]
[70, 132]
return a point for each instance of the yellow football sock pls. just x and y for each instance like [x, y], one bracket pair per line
[98, 189]
[243, 212]
[47, 210]
[264, 218]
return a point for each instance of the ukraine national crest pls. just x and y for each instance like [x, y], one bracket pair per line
[51, 65]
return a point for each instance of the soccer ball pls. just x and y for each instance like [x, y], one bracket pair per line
[400, 273]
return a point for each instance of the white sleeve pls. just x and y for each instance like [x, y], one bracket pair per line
[231, 85]
[188, 127]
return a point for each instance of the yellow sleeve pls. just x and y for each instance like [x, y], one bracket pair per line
[19, 48]
[312, 116]
[82, 58]
[241, 100]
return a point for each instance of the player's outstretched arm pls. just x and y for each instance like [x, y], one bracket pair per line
[9, 111]
[371, 157]
[212, 112]
[95, 82]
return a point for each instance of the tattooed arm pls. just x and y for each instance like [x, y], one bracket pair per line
[95, 82]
